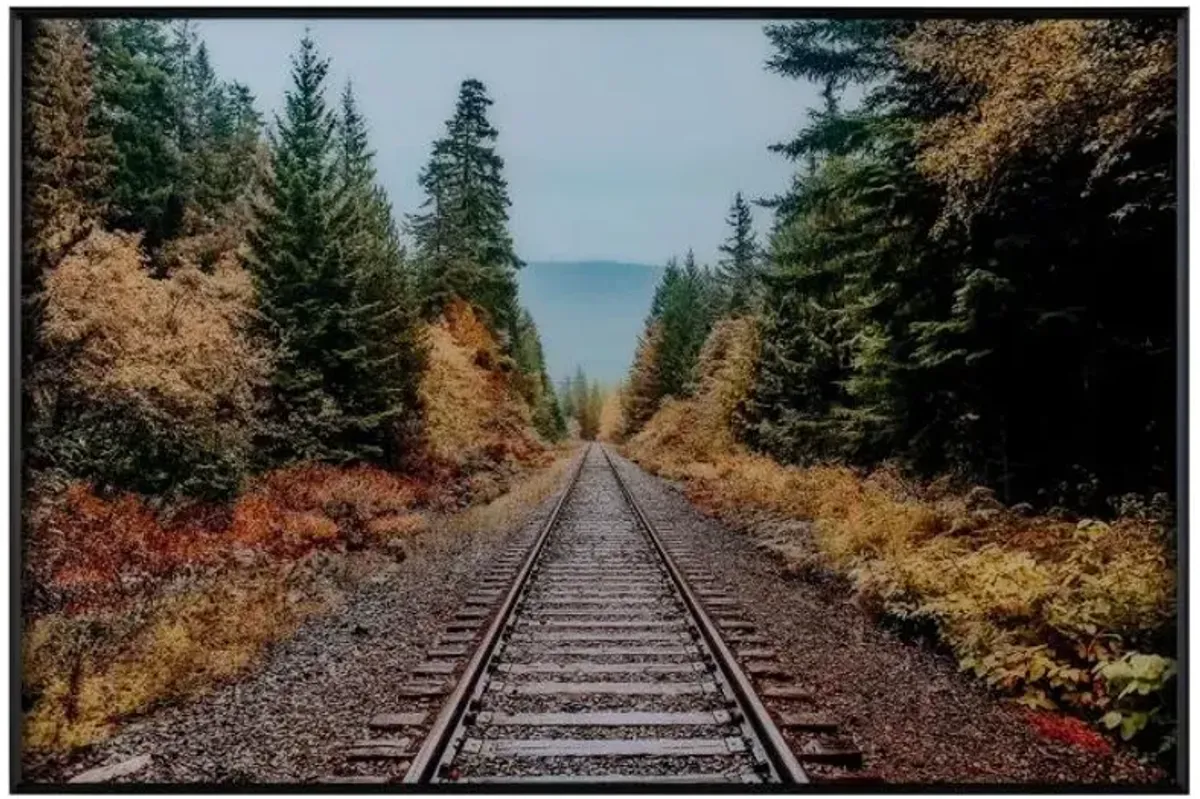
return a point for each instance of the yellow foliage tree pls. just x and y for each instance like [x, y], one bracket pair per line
[1042, 88]
[612, 417]
[129, 355]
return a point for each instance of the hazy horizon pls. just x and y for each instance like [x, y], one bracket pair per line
[588, 313]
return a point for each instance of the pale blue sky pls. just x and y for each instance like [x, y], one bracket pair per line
[623, 139]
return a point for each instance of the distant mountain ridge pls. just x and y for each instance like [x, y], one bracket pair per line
[588, 313]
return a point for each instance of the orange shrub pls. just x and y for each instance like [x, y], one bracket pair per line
[89, 550]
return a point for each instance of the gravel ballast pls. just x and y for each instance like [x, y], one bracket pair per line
[915, 717]
[291, 719]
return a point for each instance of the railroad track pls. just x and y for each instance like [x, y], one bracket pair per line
[594, 661]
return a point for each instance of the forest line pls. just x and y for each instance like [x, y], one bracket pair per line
[944, 281]
[282, 243]
[950, 370]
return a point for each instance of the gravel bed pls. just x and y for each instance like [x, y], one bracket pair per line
[916, 718]
[292, 719]
[584, 703]
[597, 544]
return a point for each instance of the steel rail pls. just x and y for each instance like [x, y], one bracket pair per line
[787, 769]
[424, 765]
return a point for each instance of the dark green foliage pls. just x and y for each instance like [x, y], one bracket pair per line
[686, 306]
[138, 91]
[533, 382]
[739, 272]
[184, 142]
[687, 302]
[566, 399]
[1005, 348]
[333, 290]
[463, 243]
[382, 393]
[579, 398]
[304, 294]
[138, 448]
[586, 399]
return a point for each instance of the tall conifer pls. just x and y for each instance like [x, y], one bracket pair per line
[738, 271]
[462, 234]
[298, 260]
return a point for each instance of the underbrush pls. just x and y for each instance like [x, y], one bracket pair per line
[129, 606]
[85, 673]
[475, 420]
[1063, 614]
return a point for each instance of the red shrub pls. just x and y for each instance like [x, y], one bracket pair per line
[91, 549]
[1068, 729]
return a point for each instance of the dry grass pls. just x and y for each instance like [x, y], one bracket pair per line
[86, 673]
[511, 506]
[1038, 607]
[112, 654]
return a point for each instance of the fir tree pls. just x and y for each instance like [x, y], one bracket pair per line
[306, 292]
[462, 236]
[738, 273]
[381, 395]
[137, 92]
[686, 309]
[534, 383]
[565, 399]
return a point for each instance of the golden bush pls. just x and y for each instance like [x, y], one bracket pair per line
[1038, 607]
[473, 414]
[1062, 84]
[178, 343]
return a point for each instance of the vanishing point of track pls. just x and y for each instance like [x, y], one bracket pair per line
[600, 664]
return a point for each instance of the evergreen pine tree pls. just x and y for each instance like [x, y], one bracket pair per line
[462, 235]
[566, 400]
[381, 393]
[137, 92]
[738, 273]
[579, 396]
[306, 294]
[686, 309]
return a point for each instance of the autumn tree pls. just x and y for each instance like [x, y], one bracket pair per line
[642, 392]
[64, 171]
